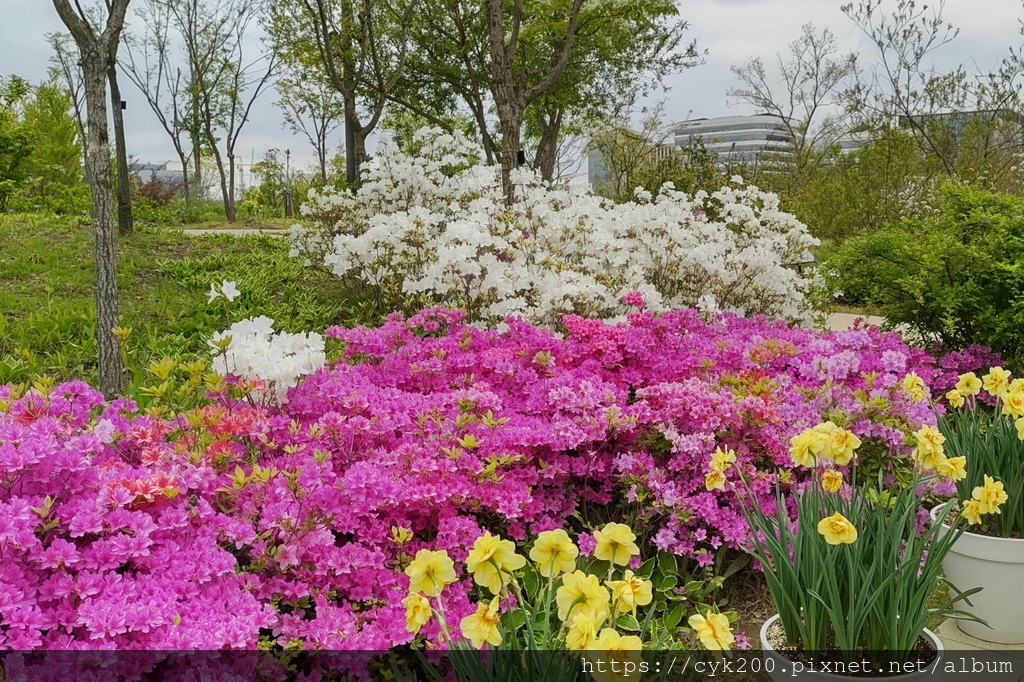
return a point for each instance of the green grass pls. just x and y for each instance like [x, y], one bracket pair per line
[48, 313]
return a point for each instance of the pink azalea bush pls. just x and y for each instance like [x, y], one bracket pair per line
[236, 524]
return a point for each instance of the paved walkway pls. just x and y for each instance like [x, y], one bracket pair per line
[241, 232]
[838, 322]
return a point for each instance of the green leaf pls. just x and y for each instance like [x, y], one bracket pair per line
[627, 622]
[674, 617]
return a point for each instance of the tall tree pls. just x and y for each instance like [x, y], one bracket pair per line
[623, 50]
[151, 65]
[362, 46]
[97, 44]
[311, 107]
[812, 78]
[520, 76]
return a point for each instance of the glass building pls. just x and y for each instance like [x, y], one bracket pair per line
[746, 140]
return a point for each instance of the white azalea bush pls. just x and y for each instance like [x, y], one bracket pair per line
[252, 350]
[432, 228]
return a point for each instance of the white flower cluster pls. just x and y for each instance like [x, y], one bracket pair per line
[432, 228]
[255, 351]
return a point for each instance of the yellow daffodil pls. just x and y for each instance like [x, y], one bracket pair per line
[955, 398]
[583, 629]
[1020, 428]
[837, 530]
[914, 385]
[971, 511]
[630, 592]
[430, 571]
[554, 553]
[492, 560]
[713, 631]
[842, 445]
[996, 381]
[482, 625]
[832, 480]
[616, 651]
[804, 448]
[968, 384]
[715, 480]
[417, 612]
[1013, 403]
[990, 496]
[721, 459]
[615, 543]
[581, 593]
[953, 468]
[929, 446]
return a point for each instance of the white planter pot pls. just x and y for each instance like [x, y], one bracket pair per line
[997, 566]
[780, 668]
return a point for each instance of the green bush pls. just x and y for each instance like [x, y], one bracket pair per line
[955, 278]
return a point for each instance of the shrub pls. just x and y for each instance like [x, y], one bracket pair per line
[952, 279]
[433, 228]
[230, 523]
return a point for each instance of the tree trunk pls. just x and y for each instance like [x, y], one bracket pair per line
[510, 148]
[230, 204]
[125, 221]
[229, 208]
[111, 368]
[547, 149]
[197, 159]
[186, 188]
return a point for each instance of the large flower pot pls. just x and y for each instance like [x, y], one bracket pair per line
[997, 566]
[781, 669]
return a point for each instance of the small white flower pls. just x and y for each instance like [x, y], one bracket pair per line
[213, 293]
[229, 290]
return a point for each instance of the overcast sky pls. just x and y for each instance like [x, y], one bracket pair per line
[730, 30]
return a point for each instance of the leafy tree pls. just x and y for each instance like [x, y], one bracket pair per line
[359, 45]
[17, 140]
[55, 166]
[311, 107]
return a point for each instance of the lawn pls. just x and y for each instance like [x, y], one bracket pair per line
[48, 315]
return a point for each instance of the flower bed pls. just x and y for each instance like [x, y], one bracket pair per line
[235, 521]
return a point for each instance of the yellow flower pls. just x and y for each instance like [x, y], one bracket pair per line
[1013, 403]
[713, 631]
[430, 571]
[996, 381]
[804, 448]
[581, 593]
[417, 612]
[842, 445]
[953, 468]
[492, 560]
[955, 398]
[721, 459]
[970, 511]
[617, 651]
[837, 530]
[990, 496]
[832, 481]
[715, 480]
[554, 553]
[630, 592]
[582, 631]
[482, 626]
[615, 543]
[914, 385]
[1020, 428]
[968, 384]
[929, 446]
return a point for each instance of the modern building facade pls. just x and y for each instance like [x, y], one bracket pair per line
[746, 140]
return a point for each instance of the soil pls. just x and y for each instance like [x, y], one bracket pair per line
[926, 653]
